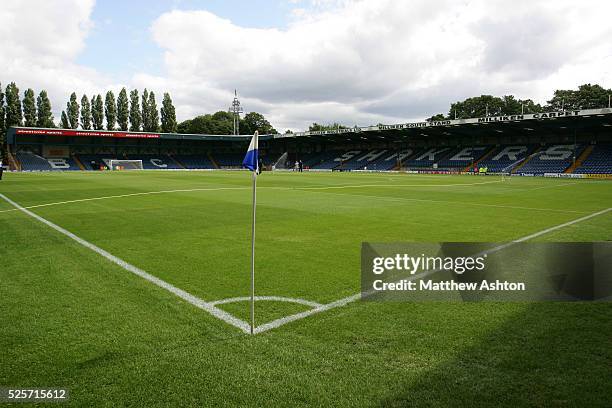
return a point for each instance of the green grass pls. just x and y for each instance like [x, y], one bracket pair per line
[72, 319]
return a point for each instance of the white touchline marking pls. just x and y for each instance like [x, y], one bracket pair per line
[80, 200]
[344, 301]
[279, 188]
[208, 307]
[268, 298]
[129, 195]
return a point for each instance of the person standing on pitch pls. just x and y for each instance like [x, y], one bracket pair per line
[301, 166]
[260, 166]
[1, 168]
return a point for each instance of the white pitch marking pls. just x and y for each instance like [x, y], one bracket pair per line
[344, 301]
[234, 188]
[394, 185]
[268, 298]
[129, 195]
[208, 307]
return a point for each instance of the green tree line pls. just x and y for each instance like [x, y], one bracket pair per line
[222, 123]
[120, 113]
[587, 96]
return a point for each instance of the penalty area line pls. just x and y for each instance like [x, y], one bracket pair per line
[350, 299]
[188, 297]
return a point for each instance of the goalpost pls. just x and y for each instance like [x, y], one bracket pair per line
[125, 164]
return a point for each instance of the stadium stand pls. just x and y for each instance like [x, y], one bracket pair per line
[505, 158]
[155, 162]
[555, 158]
[194, 162]
[364, 160]
[462, 156]
[32, 162]
[340, 161]
[314, 160]
[598, 162]
[94, 161]
[426, 158]
[230, 160]
[389, 160]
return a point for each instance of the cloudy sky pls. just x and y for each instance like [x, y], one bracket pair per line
[300, 61]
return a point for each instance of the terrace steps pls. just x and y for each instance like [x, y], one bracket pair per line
[13, 162]
[483, 157]
[527, 160]
[583, 156]
[213, 161]
[178, 163]
[78, 162]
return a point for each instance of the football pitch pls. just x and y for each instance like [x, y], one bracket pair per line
[131, 288]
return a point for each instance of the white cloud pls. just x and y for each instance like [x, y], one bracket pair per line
[39, 41]
[382, 60]
[358, 62]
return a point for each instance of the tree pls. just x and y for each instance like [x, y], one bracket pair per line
[146, 118]
[97, 112]
[135, 116]
[222, 123]
[168, 115]
[434, 118]
[2, 112]
[72, 111]
[13, 106]
[29, 108]
[586, 97]
[85, 113]
[153, 114]
[110, 110]
[2, 129]
[490, 105]
[64, 124]
[44, 114]
[122, 110]
[332, 126]
[254, 121]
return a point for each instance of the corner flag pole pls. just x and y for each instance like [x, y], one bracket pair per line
[251, 162]
[253, 253]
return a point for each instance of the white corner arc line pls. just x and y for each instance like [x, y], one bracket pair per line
[206, 306]
[344, 301]
[267, 298]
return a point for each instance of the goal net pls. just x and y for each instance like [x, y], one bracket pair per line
[125, 164]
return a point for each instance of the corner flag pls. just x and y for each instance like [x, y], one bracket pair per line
[251, 159]
[251, 162]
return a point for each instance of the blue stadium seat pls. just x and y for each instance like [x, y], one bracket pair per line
[554, 158]
[195, 161]
[33, 162]
[598, 162]
[505, 158]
